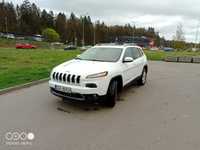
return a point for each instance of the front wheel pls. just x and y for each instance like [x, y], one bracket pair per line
[143, 78]
[112, 94]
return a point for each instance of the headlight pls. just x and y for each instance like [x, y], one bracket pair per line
[97, 75]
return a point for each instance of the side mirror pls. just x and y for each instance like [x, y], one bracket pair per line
[128, 59]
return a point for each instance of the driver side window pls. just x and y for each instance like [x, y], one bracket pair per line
[128, 53]
[136, 53]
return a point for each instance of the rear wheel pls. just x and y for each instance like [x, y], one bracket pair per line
[143, 77]
[112, 94]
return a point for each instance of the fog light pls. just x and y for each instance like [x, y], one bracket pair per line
[91, 85]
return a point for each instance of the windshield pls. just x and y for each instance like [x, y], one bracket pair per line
[101, 54]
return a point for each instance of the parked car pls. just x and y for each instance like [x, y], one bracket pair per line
[7, 35]
[25, 46]
[83, 48]
[70, 47]
[154, 49]
[99, 73]
[1, 34]
[10, 36]
[168, 49]
[38, 38]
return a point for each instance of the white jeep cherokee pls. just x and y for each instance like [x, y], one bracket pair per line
[100, 72]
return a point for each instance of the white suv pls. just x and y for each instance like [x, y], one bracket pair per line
[99, 73]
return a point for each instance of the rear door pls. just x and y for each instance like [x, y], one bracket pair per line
[129, 68]
[138, 59]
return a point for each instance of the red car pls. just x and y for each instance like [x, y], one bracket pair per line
[25, 46]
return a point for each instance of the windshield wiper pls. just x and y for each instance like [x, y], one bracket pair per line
[78, 58]
[96, 60]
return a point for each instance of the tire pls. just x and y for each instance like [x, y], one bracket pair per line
[112, 94]
[143, 78]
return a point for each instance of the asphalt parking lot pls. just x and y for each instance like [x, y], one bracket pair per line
[162, 115]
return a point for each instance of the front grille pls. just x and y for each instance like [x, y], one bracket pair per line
[67, 78]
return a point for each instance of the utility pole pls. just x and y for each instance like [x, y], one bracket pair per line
[75, 39]
[83, 40]
[133, 29]
[94, 33]
[6, 23]
[197, 36]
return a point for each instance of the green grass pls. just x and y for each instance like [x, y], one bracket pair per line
[21, 66]
[160, 55]
[10, 43]
[7, 42]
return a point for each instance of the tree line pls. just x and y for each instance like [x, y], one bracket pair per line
[28, 19]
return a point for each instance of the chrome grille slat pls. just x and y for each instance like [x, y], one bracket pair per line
[67, 78]
[57, 74]
[73, 79]
[64, 77]
[60, 77]
[54, 75]
[78, 79]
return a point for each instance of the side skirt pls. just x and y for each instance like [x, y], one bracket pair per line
[133, 82]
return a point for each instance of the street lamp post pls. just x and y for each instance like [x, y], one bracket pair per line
[197, 36]
[83, 42]
[133, 30]
[6, 23]
[94, 33]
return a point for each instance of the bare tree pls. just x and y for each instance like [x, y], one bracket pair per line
[179, 33]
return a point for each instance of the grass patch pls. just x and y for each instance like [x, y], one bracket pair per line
[160, 55]
[21, 66]
[10, 43]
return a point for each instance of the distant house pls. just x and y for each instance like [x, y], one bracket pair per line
[140, 41]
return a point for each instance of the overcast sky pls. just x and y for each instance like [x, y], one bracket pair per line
[162, 15]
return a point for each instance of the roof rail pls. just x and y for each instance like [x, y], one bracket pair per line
[116, 44]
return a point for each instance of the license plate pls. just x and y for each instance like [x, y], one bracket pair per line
[63, 89]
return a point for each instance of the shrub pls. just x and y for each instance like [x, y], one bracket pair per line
[50, 35]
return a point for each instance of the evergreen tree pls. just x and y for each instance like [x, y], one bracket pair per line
[60, 25]
[27, 19]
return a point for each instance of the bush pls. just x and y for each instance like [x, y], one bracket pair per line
[50, 35]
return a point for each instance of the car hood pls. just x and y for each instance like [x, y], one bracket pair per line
[83, 67]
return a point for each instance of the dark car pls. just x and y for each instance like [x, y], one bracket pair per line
[70, 47]
[168, 49]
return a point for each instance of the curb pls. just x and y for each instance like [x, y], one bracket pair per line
[18, 87]
[183, 59]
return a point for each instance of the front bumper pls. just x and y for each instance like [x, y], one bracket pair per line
[102, 86]
[75, 96]
[79, 92]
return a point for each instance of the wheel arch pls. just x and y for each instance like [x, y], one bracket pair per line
[119, 80]
[146, 67]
